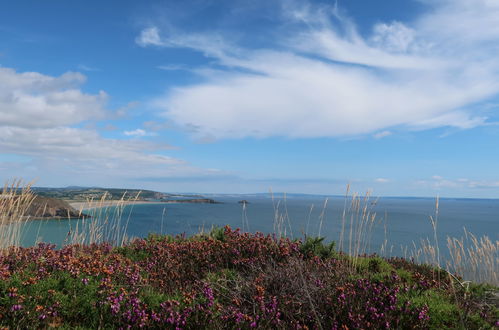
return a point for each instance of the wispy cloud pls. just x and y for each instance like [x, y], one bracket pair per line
[328, 80]
[149, 37]
[84, 67]
[382, 134]
[210, 43]
[173, 67]
[438, 182]
[139, 132]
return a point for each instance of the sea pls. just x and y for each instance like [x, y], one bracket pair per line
[391, 226]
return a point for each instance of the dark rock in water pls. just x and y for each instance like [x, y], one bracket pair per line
[243, 202]
[47, 207]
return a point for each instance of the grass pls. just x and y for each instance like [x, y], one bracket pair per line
[15, 200]
[105, 223]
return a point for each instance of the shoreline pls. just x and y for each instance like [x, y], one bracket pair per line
[80, 206]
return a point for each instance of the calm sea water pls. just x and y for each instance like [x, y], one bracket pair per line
[399, 220]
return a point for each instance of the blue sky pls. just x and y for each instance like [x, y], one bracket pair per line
[397, 96]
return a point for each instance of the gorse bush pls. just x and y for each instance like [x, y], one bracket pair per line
[227, 279]
[314, 246]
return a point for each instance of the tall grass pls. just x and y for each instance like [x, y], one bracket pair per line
[15, 201]
[282, 223]
[472, 258]
[105, 223]
[362, 219]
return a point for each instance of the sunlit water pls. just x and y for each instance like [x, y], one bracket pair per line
[400, 221]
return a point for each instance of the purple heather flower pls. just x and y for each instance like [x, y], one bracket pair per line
[16, 308]
[84, 281]
[239, 317]
[208, 292]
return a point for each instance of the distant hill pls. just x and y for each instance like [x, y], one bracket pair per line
[95, 193]
[83, 194]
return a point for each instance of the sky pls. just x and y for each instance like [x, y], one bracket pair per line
[399, 97]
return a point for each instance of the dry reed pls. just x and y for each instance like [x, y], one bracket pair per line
[105, 223]
[473, 258]
[15, 201]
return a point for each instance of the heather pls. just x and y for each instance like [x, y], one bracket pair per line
[230, 279]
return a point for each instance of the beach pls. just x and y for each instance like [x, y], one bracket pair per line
[89, 205]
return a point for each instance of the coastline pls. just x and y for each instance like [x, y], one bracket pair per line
[79, 206]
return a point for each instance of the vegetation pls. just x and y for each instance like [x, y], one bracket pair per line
[95, 193]
[230, 279]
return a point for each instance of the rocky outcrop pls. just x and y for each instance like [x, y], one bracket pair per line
[47, 207]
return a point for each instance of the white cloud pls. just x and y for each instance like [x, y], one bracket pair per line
[437, 182]
[149, 37]
[63, 150]
[382, 180]
[137, 132]
[382, 134]
[31, 99]
[330, 81]
[484, 184]
[394, 37]
[173, 67]
[211, 44]
[84, 67]
[37, 117]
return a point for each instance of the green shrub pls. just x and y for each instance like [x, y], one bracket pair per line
[315, 247]
[443, 312]
[218, 233]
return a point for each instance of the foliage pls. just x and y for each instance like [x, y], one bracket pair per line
[229, 279]
[314, 246]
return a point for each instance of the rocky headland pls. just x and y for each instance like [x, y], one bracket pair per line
[52, 208]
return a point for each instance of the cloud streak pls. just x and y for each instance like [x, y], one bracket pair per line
[330, 81]
[438, 182]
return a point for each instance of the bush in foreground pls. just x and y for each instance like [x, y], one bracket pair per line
[229, 279]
